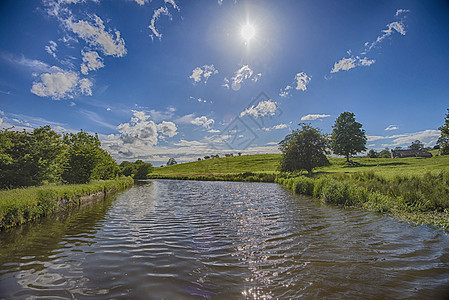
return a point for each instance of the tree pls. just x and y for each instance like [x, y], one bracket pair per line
[386, 153]
[416, 145]
[443, 140]
[142, 169]
[348, 137]
[303, 149]
[171, 162]
[127, 168]
[86, 160]
[372, 154]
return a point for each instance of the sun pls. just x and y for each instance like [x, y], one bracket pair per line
[248, 32]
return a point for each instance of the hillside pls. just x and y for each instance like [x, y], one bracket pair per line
[268, 163]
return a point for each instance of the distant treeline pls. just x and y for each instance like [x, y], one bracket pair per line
[44, 156]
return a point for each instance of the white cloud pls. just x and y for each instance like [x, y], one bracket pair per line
[401, 11]
[242, 74]
[203, 73]
[428, 137]
[157, 13]
[51, 49]
[262, 109]
[280, 126]
[91, 62]
[184, 143]
[141, 2]
[346, 64]
[33, 64]
[167, 128]
[202, 121]
[142, 131]
[301, 81]
[312, 117]
[392, 127]
[96, 36]
[213, 131]
[61, 84]
[173, 3]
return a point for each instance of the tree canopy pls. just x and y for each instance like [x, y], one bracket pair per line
[303, 149]
[348, 137]
[443, 140]
[137, 169]
[44, 156]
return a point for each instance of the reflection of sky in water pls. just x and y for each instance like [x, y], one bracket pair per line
[178, 239]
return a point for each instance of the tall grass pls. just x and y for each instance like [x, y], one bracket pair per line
[18, 206]
[422, 199]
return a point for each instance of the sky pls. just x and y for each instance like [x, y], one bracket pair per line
[185, 79]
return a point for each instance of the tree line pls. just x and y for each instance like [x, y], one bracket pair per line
[43, 156]
[306, 148]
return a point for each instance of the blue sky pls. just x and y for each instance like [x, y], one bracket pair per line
[159, 79]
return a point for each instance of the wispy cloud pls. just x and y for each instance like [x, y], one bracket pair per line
[240, 76]
[161, 11]
[428, 137]
[392, 127]
[312, 117]
[91, 62]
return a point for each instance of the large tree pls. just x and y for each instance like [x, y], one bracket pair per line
[348, 137]
[303, 149]
[443, 141]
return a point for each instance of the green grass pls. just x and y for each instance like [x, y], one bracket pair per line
[260, 163]
[18, 206]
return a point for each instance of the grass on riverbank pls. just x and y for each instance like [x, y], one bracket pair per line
[18, 206]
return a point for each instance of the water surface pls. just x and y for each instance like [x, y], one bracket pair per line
[168, 239]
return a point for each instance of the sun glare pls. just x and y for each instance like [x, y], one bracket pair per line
[248, 32]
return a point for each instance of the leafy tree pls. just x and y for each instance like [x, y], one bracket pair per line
[142, 169]
[416, 145]
[443, 140]
[30, 158]
[385, 153]
[372, 154]
[86, 160]
[303, 149]
[348, 137]
[127, 168]
[171, 162]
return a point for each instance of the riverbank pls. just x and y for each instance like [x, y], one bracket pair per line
[19, 206]
[411, 189]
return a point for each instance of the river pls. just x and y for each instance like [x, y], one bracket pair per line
[166, 239]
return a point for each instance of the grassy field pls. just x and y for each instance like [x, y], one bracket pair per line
[259, 163]
[268, 163]
[18, 206]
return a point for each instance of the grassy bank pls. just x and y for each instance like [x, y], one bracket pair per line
[18, 206]
[412, 189]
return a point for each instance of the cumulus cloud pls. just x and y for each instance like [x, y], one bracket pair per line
[61, 84]
[262, 109]
[202, 121]
[312, 117]
[96, 36]
[91, 62]
[242, 74]
[141, 130]
[301, 81]
[202, 74]
[346, 64]
[167, 128]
